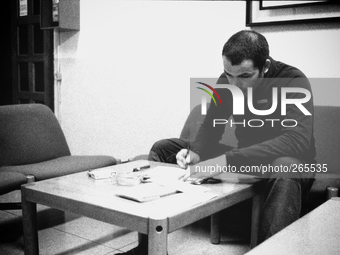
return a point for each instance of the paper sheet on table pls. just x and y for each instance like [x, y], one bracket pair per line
[190, 195]
[164, 181]
[169, 176]
[179, 202]
[146, 192]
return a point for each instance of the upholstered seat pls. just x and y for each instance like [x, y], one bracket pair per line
[10, 181]
[33, 145]
[60, 166]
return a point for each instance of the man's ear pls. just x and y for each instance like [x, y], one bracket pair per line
[266, 65]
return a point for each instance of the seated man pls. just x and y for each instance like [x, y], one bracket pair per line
[280, 138]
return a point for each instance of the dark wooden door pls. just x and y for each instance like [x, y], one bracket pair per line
[30, 78]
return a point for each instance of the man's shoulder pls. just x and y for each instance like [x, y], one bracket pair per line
[280, 69]
[288, 76]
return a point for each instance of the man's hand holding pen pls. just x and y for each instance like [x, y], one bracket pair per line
[186, 157]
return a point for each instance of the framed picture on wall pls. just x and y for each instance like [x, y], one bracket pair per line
[260, 13]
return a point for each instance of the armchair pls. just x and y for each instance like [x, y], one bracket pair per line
[327, 142]
[33, 145]
[10, 181]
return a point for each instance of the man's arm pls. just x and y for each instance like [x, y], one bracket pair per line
[209, 136]
[293, 141]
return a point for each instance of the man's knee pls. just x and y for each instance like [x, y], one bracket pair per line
[286, 161]
[157, 150]
[285, 168]
[165, 150]
[292, 169]
[159, 145]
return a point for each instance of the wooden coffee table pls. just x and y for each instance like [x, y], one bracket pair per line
[80, 194]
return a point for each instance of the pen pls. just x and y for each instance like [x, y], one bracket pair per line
[140, 168]
[188, 150]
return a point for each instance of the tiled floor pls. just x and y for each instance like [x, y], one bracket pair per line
[66, 233]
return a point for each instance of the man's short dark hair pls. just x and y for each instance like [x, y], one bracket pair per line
[244, 45]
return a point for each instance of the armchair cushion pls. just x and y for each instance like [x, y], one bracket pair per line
[33, 143]
[10, 181]
[61, 166]
[327, 137]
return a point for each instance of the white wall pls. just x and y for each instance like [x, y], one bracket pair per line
[313, 48]
[126, 73]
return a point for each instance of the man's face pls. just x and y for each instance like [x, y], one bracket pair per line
[243, 75]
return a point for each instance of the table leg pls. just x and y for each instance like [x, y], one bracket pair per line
[29, 221]
[255, 221]
[158, 237]
[215, 235]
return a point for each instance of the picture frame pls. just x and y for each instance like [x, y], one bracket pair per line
[260, 13]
